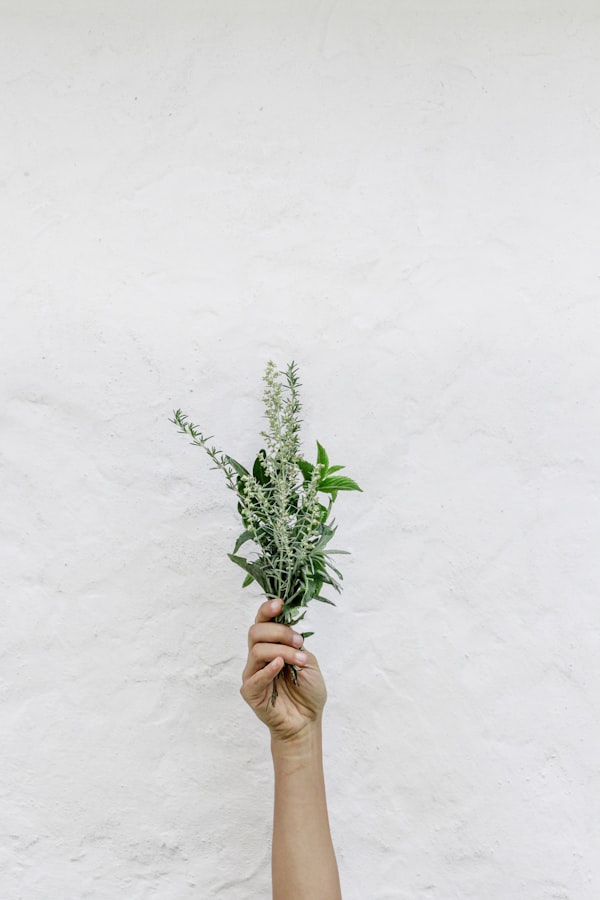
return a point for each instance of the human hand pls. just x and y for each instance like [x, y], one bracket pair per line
[299, 704]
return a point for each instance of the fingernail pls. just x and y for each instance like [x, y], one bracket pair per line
[297, 640]
[301, 658]
[275, 604]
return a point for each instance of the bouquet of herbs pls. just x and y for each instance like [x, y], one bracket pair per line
[284, 503]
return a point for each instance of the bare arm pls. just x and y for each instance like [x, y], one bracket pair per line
[303, 858]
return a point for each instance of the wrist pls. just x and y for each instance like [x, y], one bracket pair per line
[305, 744]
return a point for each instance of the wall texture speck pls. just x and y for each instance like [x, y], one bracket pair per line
[404, 198]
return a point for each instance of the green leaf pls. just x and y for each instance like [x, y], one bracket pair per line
[322, 458]
[326, 536]
[307, 594]
[316, 559]
[306, 468]
[259, 469]
[318, 584]
[251, 568]
[306, 634]
[325, 600]
[324, 512]
[325, 578]
[337, 572]
[334, 469]
[247, 580]
[245, 536]
[338, 483]
[236, 465]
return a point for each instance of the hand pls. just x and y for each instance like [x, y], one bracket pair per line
[297, 705]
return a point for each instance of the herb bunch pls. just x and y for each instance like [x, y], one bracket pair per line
[285, 504]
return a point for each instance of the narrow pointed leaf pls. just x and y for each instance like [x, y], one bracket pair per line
[245, 536]
[337, 572]
[338, 483]
[236, 466]
[306, 468]
[325, 600]
[251, 568]
[328, 533]
[322, 458]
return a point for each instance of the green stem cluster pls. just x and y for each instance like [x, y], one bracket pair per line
[280, 505]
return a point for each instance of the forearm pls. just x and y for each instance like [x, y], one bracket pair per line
[303, 859]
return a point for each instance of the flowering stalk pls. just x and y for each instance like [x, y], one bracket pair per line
[280, 506]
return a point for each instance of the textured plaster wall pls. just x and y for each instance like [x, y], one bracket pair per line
[404, 197]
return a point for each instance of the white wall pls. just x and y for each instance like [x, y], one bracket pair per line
[404, 197]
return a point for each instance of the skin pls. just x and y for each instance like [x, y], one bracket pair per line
[303, 859]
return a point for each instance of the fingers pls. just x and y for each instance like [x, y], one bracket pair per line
[265, 630]
[270, 646]
[273, 633]
[262, 654]
[267, 610]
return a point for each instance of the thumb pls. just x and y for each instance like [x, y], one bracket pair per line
[254, 688]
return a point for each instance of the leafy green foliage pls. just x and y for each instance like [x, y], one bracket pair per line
[279, 502]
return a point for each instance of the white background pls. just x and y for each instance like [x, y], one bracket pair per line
[403, 197]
